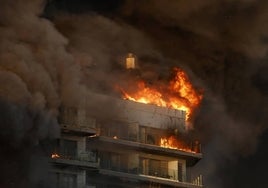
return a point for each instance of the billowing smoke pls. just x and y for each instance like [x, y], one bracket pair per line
[48, 63]
[42, 70]
[222, 44]
[100, 46]
[37, 76]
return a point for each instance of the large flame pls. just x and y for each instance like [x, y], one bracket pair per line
[172, 143]
[179, 94]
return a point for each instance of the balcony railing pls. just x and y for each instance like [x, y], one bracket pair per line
[83, 156]
[198, 180]
[162, 173]
[192, 147]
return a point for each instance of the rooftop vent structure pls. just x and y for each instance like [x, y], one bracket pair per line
[130, 61]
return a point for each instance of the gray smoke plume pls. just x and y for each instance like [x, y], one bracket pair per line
[37, 76]
[42, 70]
[100, 46]
[45, 64]
[222, 44]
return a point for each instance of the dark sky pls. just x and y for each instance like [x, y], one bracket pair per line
[52, 52]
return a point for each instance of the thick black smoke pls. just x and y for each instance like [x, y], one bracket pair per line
[221, 44]
[48, 59]
[42, 70]
[37, 76]
[224, 43]
[22, 160]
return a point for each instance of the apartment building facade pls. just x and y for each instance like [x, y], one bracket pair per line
[138, 147]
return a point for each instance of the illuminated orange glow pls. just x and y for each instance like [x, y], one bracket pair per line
[172, 143]
[178, 94]
[55, 155]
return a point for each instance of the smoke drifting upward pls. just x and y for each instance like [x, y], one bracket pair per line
[100, 46]
[40, 71]
[235, 25]
[222, 45]
[35, 66]
[225, 45]
[37, 75]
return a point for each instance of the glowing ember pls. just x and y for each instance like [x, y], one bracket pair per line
[55, 155]
[179, 94]
[172, 143]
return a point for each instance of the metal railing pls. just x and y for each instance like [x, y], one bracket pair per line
[198, 180]
[86, 156]
[162, 173]
[165, 173]
[194, 147]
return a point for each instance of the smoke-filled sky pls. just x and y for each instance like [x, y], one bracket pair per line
[52, 52]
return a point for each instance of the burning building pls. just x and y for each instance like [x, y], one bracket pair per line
[134, 148]
[138, 147]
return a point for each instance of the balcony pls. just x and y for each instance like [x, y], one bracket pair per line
[76, 122]
[162, 176]
[149, 136]
[78, 130]
[84, 160]
[108, 142]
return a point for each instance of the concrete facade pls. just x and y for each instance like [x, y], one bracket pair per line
[123, 151]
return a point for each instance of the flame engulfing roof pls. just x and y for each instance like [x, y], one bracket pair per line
[140, 113]
[178, 94]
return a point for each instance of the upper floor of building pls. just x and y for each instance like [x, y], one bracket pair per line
[143, 143]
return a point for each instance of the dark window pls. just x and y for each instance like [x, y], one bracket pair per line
[180, 172]
[154, 167]
[68, 181]
[61, 180]
[69, 149]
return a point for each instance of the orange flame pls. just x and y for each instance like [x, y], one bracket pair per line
[179, 94]
[172, 143]
[55, 156]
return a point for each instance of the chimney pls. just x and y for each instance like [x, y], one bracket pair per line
[130, 61]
